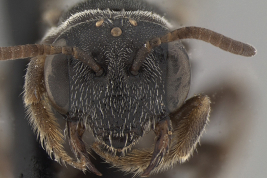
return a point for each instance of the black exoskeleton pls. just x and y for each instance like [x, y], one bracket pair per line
[114, 67]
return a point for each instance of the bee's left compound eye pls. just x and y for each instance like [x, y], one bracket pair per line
[57, 82]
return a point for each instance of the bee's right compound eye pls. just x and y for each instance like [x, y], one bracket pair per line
[57, 81]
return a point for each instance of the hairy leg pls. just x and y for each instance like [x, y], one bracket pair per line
[75, 133]
[41, 117]
[163, 135]
[189, 123]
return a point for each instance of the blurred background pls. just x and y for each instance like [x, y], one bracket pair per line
[235, 142]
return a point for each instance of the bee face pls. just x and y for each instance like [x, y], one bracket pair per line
[115, 69]
[117, 106]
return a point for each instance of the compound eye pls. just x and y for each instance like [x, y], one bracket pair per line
[56, 77]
